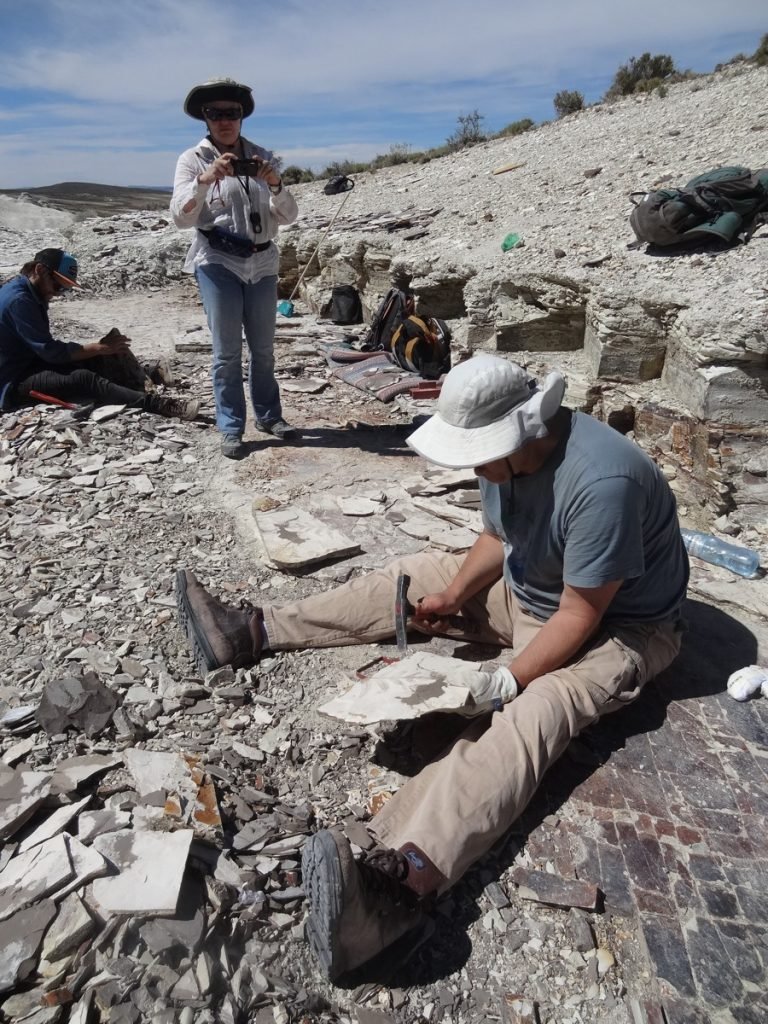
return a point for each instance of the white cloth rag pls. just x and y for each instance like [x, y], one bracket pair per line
[745, 682]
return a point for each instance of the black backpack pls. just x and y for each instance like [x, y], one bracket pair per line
[346, 307]
[337, 184]
[719, 205]
[422, 345]
[393, 309]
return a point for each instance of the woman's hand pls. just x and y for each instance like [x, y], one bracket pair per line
[220, 168]
[268, 174]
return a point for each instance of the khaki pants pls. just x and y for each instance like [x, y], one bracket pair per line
[459, 805]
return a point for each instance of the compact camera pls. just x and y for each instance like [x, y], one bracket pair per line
[246, 168]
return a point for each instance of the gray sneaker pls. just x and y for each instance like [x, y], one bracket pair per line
[357, 908]
[175, 408]
[232, 446]
[280, 429]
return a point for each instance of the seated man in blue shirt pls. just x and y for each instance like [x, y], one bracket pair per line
[580, 569]
[32, 360]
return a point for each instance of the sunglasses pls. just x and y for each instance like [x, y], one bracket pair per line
[222, 113]
[57, 285]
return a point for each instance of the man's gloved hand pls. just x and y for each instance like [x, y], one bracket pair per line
[497, 685]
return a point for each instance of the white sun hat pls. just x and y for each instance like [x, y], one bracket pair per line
[488, 408]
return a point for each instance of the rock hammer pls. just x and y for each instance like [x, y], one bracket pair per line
[404, 609]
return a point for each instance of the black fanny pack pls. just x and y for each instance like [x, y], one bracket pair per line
[231, 244]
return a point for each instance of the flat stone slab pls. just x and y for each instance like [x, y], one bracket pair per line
[559, 892]
[53, 824]
[293, 539]
[21, 793]
[408, 688]
[22, 935]
[29, 876]
[150, 868]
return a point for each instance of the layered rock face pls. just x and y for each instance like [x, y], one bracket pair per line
[673, 347]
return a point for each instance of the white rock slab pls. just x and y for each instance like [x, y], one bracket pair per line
[293, 539]
[150, 869]
[158, 769]
[53, 824]
[141, 484]
[18, 750]
[94, 823]
[21, 938]
[72, 771]
[87, 864]
[359, 506]
[21, 793]
[438, 534]
[39, 872]
[407, 689]
[437, 481]
[106, 412]
[309, 386]
[72, 926]
[467, 518]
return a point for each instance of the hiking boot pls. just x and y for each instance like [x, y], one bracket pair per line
[356, 908]
[218, 634]
[280, 429]
[159, 371]
[174, 408]
[232, 446]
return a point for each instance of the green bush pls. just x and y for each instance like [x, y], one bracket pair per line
[635, 75]
[568, 101]
[294, 175]
[468, 131]
[515, 128]
[399, 153]
[760, 56]
[343, 167]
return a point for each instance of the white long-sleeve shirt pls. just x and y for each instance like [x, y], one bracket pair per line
[227, 205]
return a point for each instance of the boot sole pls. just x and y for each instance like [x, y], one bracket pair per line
[323, 887]
[201, 649]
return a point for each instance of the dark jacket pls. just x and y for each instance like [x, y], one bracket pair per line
[25, 337]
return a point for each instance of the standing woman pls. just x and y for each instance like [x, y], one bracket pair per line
[236, 208]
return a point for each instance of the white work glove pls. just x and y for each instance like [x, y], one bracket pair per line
[499, 685]
[745, 682]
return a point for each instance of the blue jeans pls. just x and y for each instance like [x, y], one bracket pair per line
[232, 306]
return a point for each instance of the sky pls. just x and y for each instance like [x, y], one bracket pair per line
[93, 90]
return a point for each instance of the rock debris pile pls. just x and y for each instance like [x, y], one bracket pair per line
[152, 819]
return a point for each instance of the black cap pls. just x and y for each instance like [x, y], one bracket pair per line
[62, 264]
[218, 89]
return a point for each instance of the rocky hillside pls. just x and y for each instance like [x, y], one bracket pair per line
[671, 347]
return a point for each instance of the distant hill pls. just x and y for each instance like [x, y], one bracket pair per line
[88, 199]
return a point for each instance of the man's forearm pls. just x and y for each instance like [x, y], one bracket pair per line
[483, 565]
[555, 643]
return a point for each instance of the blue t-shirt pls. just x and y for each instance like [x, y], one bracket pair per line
[599, 510]
[26, 343]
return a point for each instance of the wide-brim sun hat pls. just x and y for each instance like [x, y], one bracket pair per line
[218, 89]
[488, 408]
[62, 265]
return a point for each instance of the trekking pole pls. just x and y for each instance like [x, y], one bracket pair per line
[286, 306]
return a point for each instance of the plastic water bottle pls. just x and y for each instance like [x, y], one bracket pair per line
[719, 552]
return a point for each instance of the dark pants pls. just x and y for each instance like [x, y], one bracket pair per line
[109, 380]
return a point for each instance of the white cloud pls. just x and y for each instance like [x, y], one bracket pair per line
[114, 76]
